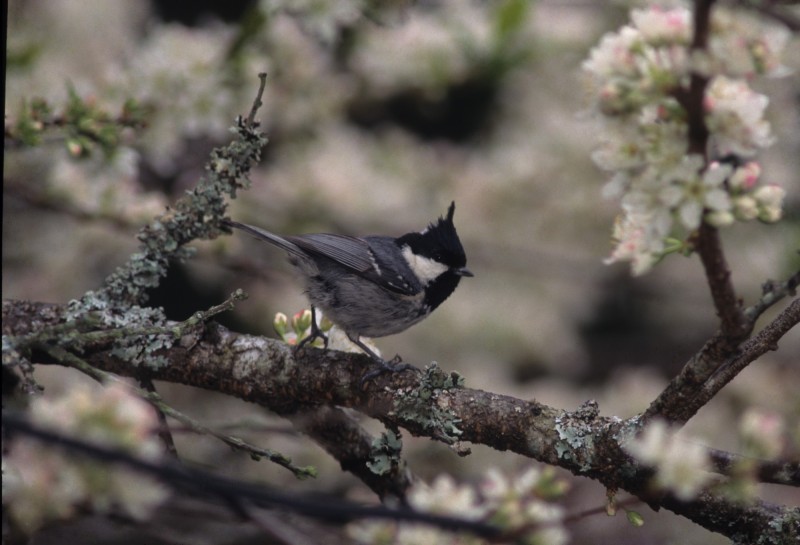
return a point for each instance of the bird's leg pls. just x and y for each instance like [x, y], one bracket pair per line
[316, 332]
[393, 366]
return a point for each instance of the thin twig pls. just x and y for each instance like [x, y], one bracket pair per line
[772, 293]
[251, 119]
[275, 527]
[765, 341]
[164, 431]
[766, 471]
[205, 484]
[61, 354]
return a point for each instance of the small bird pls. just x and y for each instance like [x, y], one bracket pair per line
[374, 286]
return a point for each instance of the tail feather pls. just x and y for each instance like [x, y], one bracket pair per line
[272, 238]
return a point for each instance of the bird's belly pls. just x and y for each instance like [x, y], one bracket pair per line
[363, 309]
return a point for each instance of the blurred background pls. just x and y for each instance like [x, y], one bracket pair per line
[379, 114]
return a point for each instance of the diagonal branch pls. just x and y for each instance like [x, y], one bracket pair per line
[766, 340]
[714, 366]
[344, 439]
[772, 292]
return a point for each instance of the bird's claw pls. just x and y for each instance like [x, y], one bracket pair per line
[316, 333]
[395, 365]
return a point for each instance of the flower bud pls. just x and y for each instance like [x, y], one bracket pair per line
[301, 321]
[746, 207]
[746, 176]
[719, 218]
[280, 324]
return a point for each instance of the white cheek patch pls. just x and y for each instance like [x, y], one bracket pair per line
[425, 268]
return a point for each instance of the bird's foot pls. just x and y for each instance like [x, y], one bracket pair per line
[395, 365]
[316, 333]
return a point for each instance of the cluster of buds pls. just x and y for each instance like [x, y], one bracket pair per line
[299, 327]
[638, 75]
[522, 504]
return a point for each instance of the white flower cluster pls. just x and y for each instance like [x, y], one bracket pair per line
[637, 74]
[41, 483]
[182, 73]
[509, 503]
[430, 50]
[321, 18]
[105, 186]
[681, 467]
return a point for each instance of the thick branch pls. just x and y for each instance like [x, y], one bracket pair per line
[266, 372]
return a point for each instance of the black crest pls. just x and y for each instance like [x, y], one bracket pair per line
[438, 241]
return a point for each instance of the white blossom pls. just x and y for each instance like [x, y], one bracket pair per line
[742, 45]
[636, 74]
[770, 202]
[681, 466]
[46, 484]
[660, 25]
[762, 433]
[735, 117]
[510, 502]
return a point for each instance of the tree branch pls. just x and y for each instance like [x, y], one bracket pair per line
[688, 392]
[714, 366]
[434, 405]
[65, 358]
[734, 327]
[766, 340]
[774, 472]
[707, 243]
[344, 439]
[772, 293]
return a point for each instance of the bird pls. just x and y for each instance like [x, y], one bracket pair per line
[374, 286]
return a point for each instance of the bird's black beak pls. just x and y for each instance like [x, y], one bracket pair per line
[463, 271]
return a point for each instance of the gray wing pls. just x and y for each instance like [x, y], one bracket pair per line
[352, 252]
[355, 254]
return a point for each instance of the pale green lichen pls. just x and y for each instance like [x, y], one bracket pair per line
[576, 439]
[117, 304]
[385, 453]
[196, 215]
[785, 529]
[427, 405]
